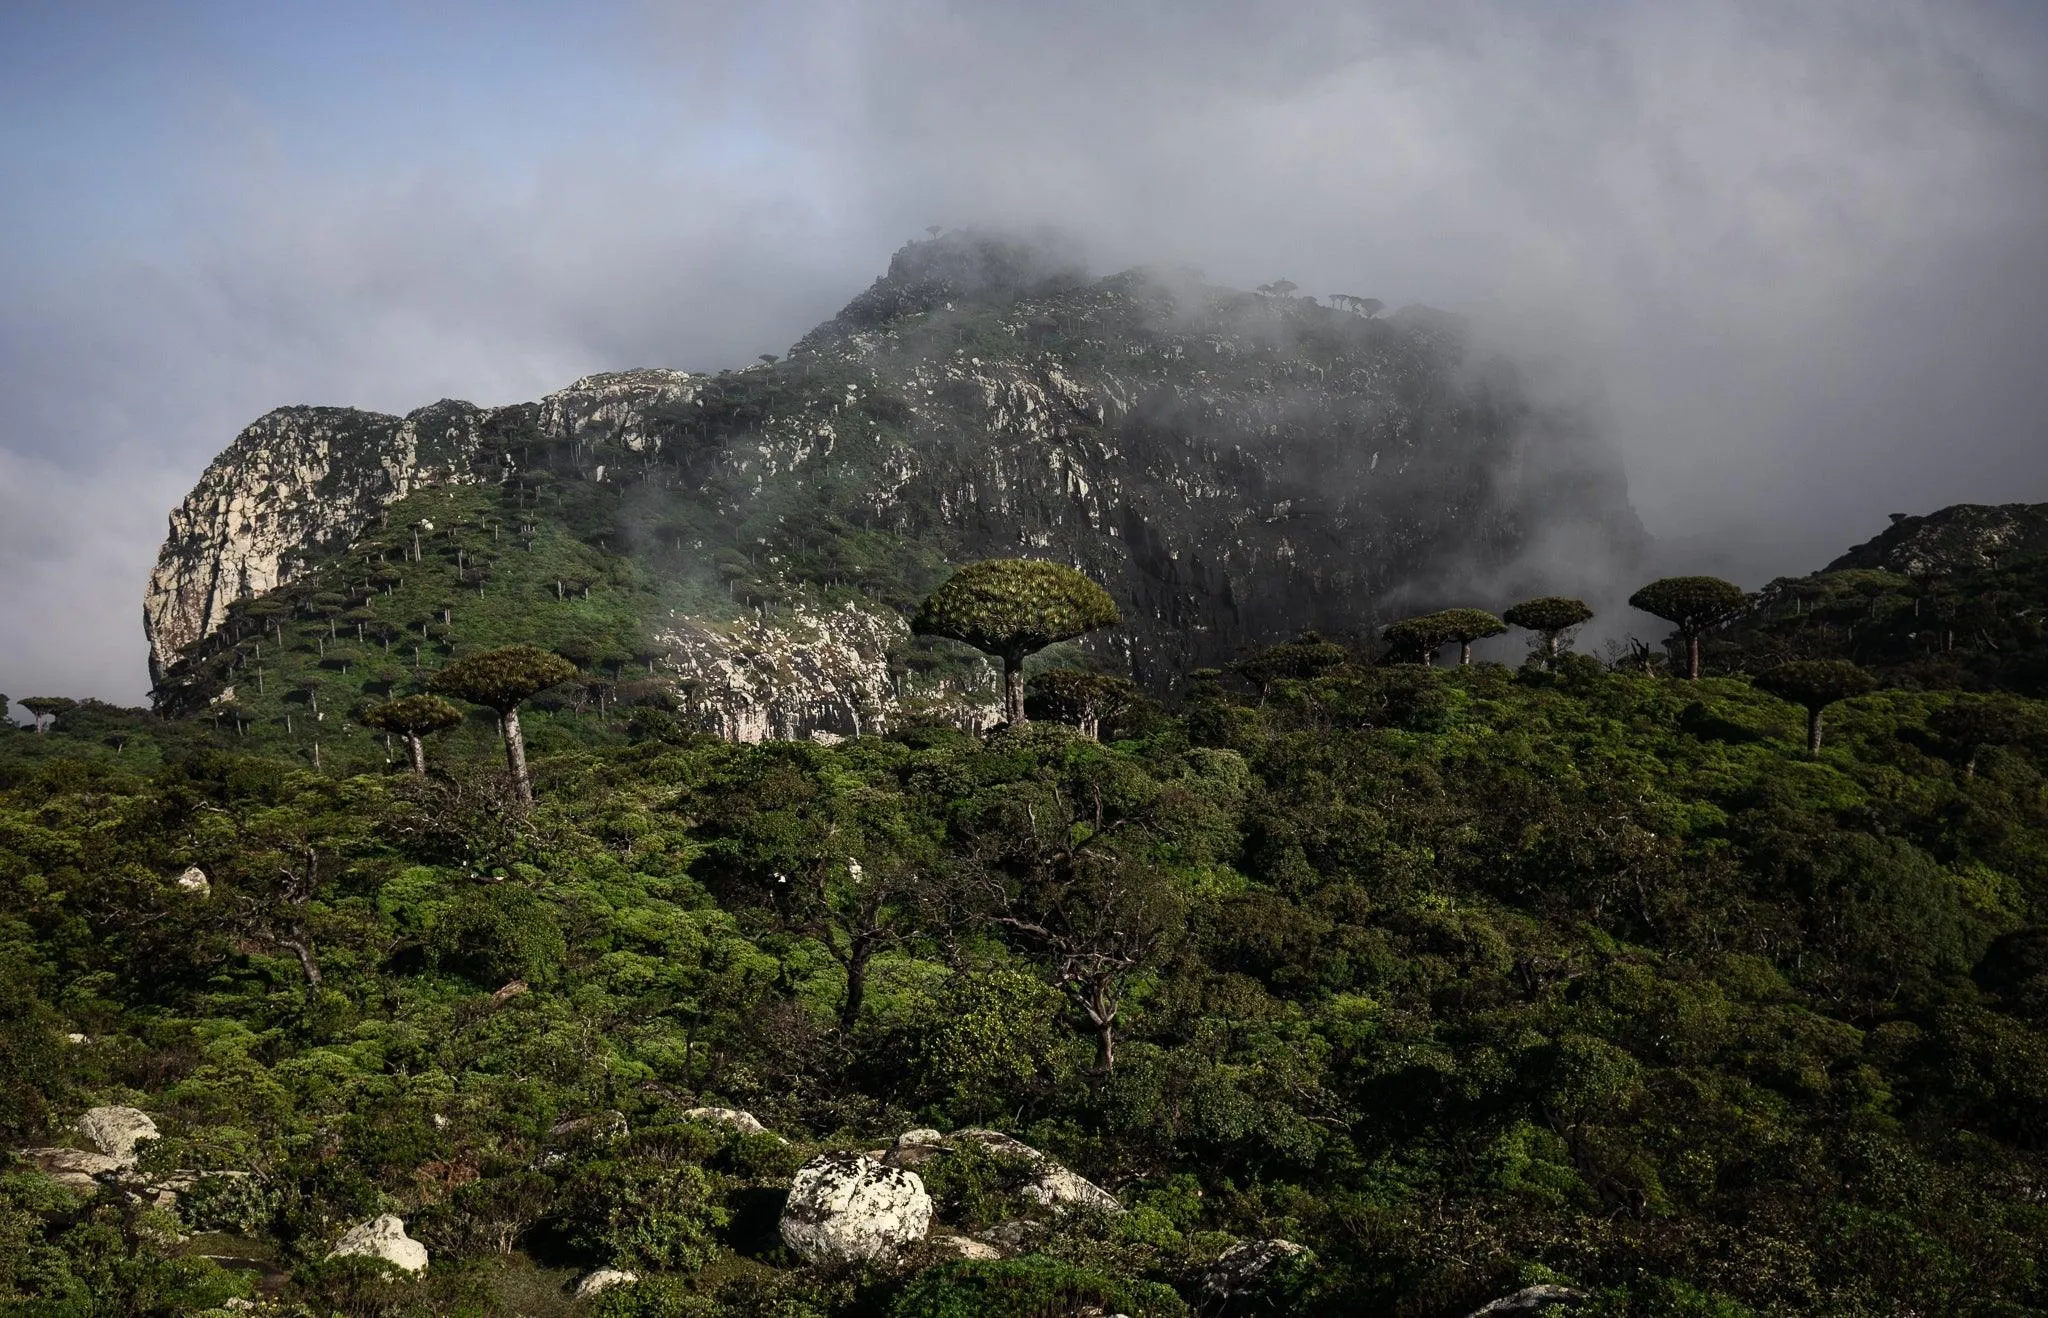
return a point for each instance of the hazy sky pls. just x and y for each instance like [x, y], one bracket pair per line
[1799, 247]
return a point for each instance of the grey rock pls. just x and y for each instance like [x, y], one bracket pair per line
[962, 1247]
[74, 1168]
[594, 1127]
[604, 1279]
[115, 1131]
[1053, 1185]
[843, 1207]
[382, 1238]
[194, 881]
[1529, 1299]
[1239, 1269]
[742, 1122]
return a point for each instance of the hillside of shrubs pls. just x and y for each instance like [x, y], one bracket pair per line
[1584, 981]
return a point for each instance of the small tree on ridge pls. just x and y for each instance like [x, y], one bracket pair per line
[500, 680]
[1012, 608]
[1694, 605]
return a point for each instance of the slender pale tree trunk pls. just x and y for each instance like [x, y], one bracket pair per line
[419, 753]
[515, 755]
[1013, 689]
[1692, 650]
[1813, 719]
[1464, 654]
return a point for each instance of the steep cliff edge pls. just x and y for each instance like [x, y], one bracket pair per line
[1232, 466]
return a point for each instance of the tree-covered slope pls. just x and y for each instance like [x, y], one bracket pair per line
[1465, 980]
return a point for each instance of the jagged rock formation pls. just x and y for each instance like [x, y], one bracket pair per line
[1233, 467]
[1961, 537]
[297, 479]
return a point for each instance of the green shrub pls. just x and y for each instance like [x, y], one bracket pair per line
[1029, 1287]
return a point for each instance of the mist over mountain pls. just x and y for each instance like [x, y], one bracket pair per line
[1235, 466]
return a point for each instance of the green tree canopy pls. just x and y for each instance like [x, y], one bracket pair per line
[1308, 655]
[412, 717]
[500, 679]
[1549, 616]
[1012, 607]
[1468, 625]
[47, 709]
[1694, 605]
[1815, 684]
[1419, 638]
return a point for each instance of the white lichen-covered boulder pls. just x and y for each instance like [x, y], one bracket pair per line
[1053, 1184]
[115, 1131]
[1240, 1269]
[963, 1247]
[844, 1207]
[1530, 1299]
[743, 1122]
[194, 881]
[382, 1238]
[604, 1279]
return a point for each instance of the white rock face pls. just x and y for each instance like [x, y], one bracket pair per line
[194, 881]
[298, 476]
[604, 1279]
[1238, 1270]
[743, 1122]
[115, 1131]
[614, 407]
[382, 1238]
[843, 1207]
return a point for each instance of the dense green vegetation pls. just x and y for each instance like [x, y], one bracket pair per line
[1465, 979]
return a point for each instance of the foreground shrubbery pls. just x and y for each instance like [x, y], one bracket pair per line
[1466, 980]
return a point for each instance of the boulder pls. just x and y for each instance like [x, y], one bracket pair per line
[194, 881]
[1053, 1184]
[115, 1131]
[843, 1207]
[382, 1238]
[76, 1038]
[604, 1279]
[1239, 1269]
[1530, 1299]
[743, 1122]
[74, 1168]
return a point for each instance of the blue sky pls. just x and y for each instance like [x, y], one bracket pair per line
[1796, 250]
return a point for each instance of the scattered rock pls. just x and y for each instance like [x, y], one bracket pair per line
[382, 1238]
[1013, 1237]
[194, 881]
[604, 1279]
[743, 1122]
[963, 1247]
[73, 1168]
[75, 1037]
[115, 1131]
[843, 1207]
[1239, 1269]
[1530, 1299]
[508, 992]
[1054, 1185]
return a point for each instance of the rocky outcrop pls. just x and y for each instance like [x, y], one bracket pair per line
[195, 882]
[821, 677]
[296, 479]
[1052, 1184]
[1530, 1299]
[116, 1131]
[843, 1207]
[382, 1238]
[604, 1279]
[1241, 1269]
[75, 1169]
[1962, 537]
[743, 1122]
[1232, 467]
